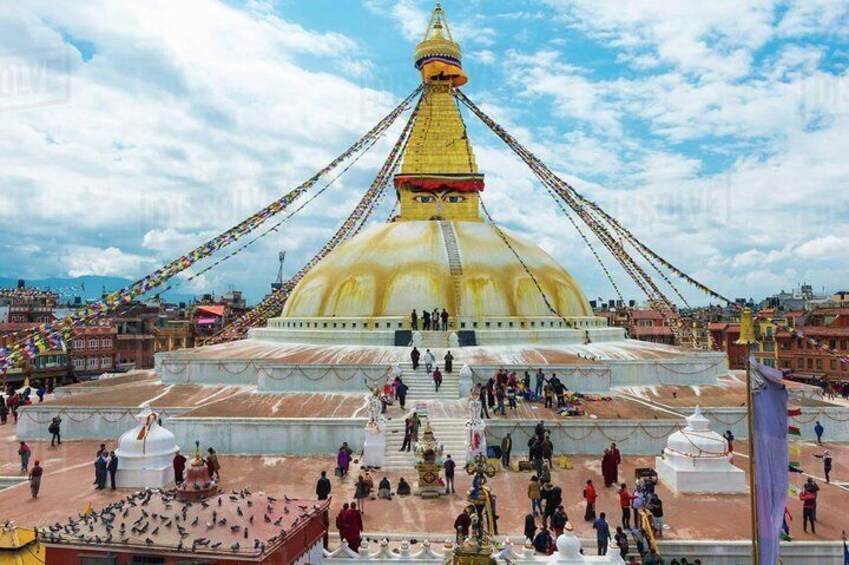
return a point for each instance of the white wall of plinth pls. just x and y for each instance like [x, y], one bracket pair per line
[80, 422]
[695, 479]
[271, 436]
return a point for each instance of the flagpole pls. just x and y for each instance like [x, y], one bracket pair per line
[747, 337]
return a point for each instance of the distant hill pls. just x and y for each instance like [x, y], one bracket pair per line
[89, 286]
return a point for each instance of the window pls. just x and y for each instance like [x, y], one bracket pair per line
[769, 331]
[832, 365]
[819, 363]
[106, 342]
[98, 560]
[843, 344]
[79, 343]
[147, 560]
[92, 343]
[105, 362]
[832, 344]
[810, 363]
[769, 362]
[91, 363]
[79, 363]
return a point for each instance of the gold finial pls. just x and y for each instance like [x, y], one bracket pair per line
[747, 328]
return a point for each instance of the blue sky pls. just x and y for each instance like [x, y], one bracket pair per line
[130, 132]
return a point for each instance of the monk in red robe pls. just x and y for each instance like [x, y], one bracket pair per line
[353, 526]
[608, 468]
[340, 522]
[617, 460]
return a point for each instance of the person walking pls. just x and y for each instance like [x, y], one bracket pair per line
[24, 452]
[35, 479]
[361, 492]
[340, 522]
[408, 435]
[602, 533]
[449, 466]
[212, 464]
[449, 362]
[548, 450]
[437, 378]
[729, 439]
[100, 470]
[323, 486]
[607, 468]
[415, 355]
[819, 430]
[535, 495]
[590, 496]
[536, 457]
[401, 393]
[625, 500]
[414, 320]
[354, 527]
[425, 320]
[444, 317]
[55, 430]
[179, 464]
[826, 463]
[621, 539]
[809, 505]
[343, 460]
[540, 381]
[506, 448]
[558, 521]
[112, 468]
[655, 507]
[434, 320]
[416, 423]
[429, 360]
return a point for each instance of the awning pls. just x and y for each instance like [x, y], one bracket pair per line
[207, 321]
[212, 310]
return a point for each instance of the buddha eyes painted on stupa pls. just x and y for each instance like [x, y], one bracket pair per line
[449, 197]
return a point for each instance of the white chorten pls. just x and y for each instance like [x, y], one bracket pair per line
[696, 460]
[569, 552]
[146, 454]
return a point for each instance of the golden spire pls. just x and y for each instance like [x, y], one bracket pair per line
[439, 177]
[438, 55]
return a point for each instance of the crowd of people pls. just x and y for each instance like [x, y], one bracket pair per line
[431, 321]
[14, 399]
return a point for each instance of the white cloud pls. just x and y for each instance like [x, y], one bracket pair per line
[109, 261]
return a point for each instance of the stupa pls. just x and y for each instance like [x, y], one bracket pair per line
[145, 453]
[347, 322]
[696, 460]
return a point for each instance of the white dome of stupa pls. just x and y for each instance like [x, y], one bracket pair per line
[568, 549]
[697, 439]
[146, 453]
[147, 439]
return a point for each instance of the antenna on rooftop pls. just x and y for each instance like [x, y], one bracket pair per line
[278, 284]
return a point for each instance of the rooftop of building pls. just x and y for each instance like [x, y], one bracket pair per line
[242, 523]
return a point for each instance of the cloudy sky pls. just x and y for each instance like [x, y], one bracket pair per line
[717, 131]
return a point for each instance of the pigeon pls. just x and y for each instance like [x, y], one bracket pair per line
[278, 521]
[267, 519]
[148, 541]
[180, 546]
[239, 511]
[234, 547]
[215, 545]
[251, 520]
[155, 531]
[246, 533]
[196, 521]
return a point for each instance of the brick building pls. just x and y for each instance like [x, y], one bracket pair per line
[724, 336]
[22, 310]
[94, 349]
[828, 325]
[135, 325]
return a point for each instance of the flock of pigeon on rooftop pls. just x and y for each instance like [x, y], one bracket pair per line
[112, 524]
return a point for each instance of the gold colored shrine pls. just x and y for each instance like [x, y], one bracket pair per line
[439, 252]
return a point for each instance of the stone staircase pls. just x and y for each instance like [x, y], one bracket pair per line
[421, 384]
[450, 433]
[455, 262]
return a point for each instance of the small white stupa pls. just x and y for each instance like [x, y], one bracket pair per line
[146, 454]
[569, 551]
[696, 460]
